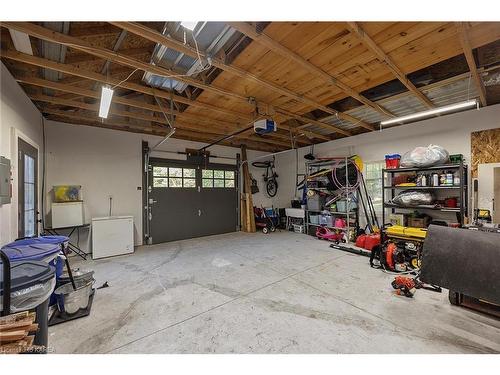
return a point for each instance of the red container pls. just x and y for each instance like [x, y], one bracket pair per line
[392, 161]
[451, 202]
[371, 241]
[368, 241]
[361, 240]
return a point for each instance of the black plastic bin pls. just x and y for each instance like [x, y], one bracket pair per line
[29, 285]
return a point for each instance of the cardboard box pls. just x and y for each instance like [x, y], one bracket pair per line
[398, 219]
[419, 222]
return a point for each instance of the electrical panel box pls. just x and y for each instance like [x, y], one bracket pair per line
[5, 187]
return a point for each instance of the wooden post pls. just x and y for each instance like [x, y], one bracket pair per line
[247, 190]
[243, 213]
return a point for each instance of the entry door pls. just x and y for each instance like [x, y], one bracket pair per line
[187, 200]
[27, 190]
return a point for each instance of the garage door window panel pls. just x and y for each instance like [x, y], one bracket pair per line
[217, 178]
[174, 177]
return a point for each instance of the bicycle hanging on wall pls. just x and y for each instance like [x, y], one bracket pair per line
[270, 177]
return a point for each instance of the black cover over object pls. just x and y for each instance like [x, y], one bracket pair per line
[463, 260]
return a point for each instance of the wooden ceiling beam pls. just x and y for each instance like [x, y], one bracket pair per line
[81, 45]
[276, 47]
[71, 70]
[213, 127]
[383, 57]
[82, 116]
[148, 90]
[180, 116]
[96, 95]
[462, 28]
[159, 131]
[179, 46]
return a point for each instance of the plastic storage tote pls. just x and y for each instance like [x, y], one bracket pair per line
[43, 248]
[392, 161]
[342, 205]
[29, 286]
[32, 283]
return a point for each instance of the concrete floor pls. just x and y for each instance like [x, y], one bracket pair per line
[255, 293]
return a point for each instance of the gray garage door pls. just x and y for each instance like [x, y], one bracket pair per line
[188, 200]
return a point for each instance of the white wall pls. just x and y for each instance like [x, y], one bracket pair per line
[453, 132]
[18, 118]
[109, 163]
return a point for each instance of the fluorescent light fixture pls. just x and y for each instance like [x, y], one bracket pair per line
[21, 42]
[190, 25]
[106, 96]
[449, 108]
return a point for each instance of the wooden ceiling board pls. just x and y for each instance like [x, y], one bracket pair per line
[376, 27]
[330, 46]
[141, 52]
[397, 36]
[312, 38]
[104, 41]
[134, 41]
[249, 57]
[369, 58]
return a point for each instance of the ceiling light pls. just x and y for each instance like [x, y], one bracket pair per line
[190, 25]
[106, 96]
[446, 109]
[21, 42]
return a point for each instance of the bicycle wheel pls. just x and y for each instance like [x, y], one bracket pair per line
[271, 187]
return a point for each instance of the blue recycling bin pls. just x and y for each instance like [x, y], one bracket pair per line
[43, 248]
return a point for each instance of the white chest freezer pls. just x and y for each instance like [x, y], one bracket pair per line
[112, 236]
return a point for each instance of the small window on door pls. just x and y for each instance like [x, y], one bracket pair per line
[174, 177]
[216, 178]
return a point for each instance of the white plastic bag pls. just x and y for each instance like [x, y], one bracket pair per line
[421, 157]
[413, 198]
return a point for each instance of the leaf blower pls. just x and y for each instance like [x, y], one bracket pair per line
[390, 257]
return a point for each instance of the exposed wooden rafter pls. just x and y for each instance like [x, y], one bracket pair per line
[384, 57]
[68, 69]
[200, 125]
[154, 130]
[51, 36]
[179, 46]
[466, 46]
[301, 73]
[181, 117]
[276, 47]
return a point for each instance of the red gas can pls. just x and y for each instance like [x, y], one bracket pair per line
[361, 240]
[372, 240]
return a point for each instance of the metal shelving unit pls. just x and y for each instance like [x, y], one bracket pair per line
[351, 216]
[460, 190]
